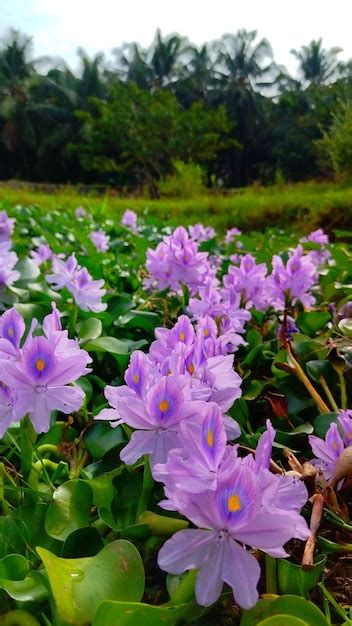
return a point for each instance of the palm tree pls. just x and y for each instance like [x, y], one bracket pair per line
[132, 65]
[165, 58]
[198, 78]
[244, 65]
[318, 66]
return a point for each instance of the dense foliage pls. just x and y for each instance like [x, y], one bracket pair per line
[226, 107]
[175, 424]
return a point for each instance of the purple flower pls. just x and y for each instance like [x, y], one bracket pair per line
[227, 517]
[12, 326]
[290, 327]
[38, 373]
[317, 236]
[80, 212]
[231, 234]
[8, 260]
[328, 452]
[129, 220]
[291, 283]
[249, 279]
[100, 240]
[42, 254]
[7, 226]
[176, 261]
[86, 291]
[7, 413]
[63, 272]
[201, 233]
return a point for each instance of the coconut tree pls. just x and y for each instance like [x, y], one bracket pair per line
[317, 66]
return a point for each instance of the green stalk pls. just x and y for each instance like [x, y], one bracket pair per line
[335, 604]
[73, 320]
[270, 574]
[328, 393]
[343, 390]
[302, 376]
[185, 591]
[147, 488]
[161, 525]
[27, 441]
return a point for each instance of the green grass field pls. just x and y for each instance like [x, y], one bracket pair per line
[301, 206]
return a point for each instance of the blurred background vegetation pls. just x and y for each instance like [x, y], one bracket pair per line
[174, 119]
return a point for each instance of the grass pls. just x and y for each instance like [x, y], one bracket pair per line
[301, 206]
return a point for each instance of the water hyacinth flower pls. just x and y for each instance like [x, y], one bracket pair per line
[7, 226]
[228, 518]
[41, 254]
[328, 452]
[290, 283]
[88, 293]
[38, 375]
[231, 234]
[249, 279]
[129, 220]
[156, 417]
[201, 233]
[176, 261]
[8, 260]
[80, 212]
[100, 240]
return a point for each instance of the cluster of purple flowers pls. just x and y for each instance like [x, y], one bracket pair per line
[36, 376]
[234, 502]
[129, 220]
[291, 282]
[186, 371]
[176, 261]
[201, 233]
[322, 255]
[231, 234]
[8, 258]
[100, 240]
[329, 451]
[87, 292]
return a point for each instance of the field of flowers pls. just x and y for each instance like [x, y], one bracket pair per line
[175, 430]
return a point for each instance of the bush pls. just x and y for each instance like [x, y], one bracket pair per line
[187, 181]
[336, 145]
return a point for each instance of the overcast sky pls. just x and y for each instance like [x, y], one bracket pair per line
[59, 27]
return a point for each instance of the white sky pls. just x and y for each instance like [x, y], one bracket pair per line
[59, 27]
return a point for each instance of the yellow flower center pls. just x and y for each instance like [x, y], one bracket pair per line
[210, 438]
[206, 332]
[234, 503]
[334, 445]
[191, 368]
[163, 406]
[40, 364]
[10, 332]
[248, 266]
[182, 336]
[135, 378]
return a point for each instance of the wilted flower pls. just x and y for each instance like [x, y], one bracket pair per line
[329, 451]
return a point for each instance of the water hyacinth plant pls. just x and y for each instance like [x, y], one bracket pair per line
[175, 423]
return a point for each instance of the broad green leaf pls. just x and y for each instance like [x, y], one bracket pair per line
[297, 607]
[345, 326]
[13, 567]
[28, 269]
[70, 509]
[100, 438]
[313, 321]
[113, 345]
[283, 620]
[322, 423]
[318, 368]
[80, 585]
[18, 618]
[293, 579]
[32, 589]
[82, 542]
[90, 329]
[146, 320]
[136, 614]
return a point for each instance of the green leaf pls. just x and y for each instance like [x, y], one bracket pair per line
[313, 321]
[113, 345]
[146, 320]
[18, 618]
[281, 620]
[252, 389]
[69, 510]
[13, 567]
[31, 589]
[80, 585]
[345, 326]
[28, 269]
[82, 542]
[297, 607]
[137, 614]
[100, 438]
[294, 579]
[322, 423]
[90, 329]
[318, 368]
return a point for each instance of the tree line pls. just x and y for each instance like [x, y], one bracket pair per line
[225, 109]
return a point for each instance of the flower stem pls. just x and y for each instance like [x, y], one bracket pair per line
[161, 525]
[147, 488]
[335, 604]
[270, 574]
[73, 320]
[185, 591]
[302, 376]
[343, 390]
[329, 395]
[27, 440]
